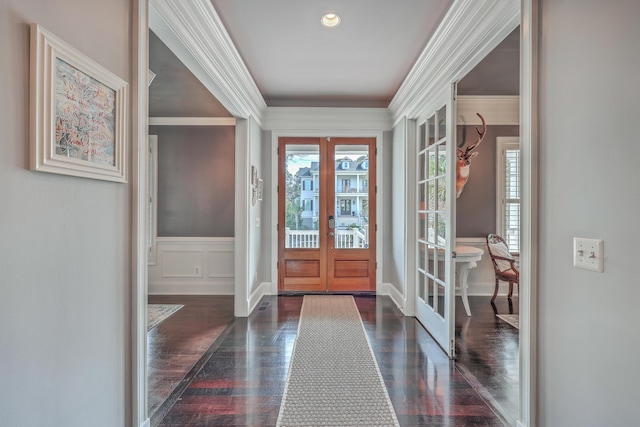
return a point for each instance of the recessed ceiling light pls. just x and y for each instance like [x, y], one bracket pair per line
[330, 19]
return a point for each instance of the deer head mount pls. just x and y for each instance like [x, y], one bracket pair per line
[464, 156]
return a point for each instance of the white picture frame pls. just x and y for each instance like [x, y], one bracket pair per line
[78, 112]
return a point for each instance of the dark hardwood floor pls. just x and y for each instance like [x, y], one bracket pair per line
[487, 352]
[178, 346]
[244, 376]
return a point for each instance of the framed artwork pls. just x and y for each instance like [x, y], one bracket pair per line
[260, 189]
[78, 112]
[254, 185]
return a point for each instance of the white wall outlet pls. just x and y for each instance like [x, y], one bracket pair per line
[197, 269]
[588, 254]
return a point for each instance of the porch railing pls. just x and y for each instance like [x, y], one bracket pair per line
[344, 239]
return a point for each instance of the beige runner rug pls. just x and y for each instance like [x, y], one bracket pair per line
[334, 379]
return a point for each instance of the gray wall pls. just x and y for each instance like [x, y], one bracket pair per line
[389, 274]
[394, 267]
[589, 333]
[65, 269]
[476, 206]
[196, 174]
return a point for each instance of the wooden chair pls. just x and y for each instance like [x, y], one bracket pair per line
[503, 264]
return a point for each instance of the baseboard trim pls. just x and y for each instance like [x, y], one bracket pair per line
[263, 289]
[185, 287]
[392, 292]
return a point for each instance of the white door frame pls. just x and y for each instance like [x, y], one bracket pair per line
[529, 151]
[528, 296]
[442, 331]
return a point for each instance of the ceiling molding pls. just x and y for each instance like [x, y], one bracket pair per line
[468, 32]
[192, 121]
[331, 119]
[195, 34]
[496, 110]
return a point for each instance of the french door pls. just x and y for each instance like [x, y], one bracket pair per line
[435, 243]
[326, 214]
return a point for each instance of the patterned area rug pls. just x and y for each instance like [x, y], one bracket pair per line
[512, 319]
[334, 379]
[157, 313]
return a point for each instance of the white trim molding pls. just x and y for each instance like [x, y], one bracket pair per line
[496, 110]
[320, 118]
[187, 266]
[392, 292]
[193, 31]
[529, 36]
[139, 214]
[469, 31]
[192, 121]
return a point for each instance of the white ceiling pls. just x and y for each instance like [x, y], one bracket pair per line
[300, 63]
[295, 61]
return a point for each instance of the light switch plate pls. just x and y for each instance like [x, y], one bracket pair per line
[588, 254]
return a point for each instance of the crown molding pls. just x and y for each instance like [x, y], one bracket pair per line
[195, 34]
[192, 121]
[468, 32]
[496, 110]
[324, 118]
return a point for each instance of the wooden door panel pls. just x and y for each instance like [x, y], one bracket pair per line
[354, 268]
[340, 183]
[302, 268]
[351, 262]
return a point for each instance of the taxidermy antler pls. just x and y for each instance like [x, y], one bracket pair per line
[463, 158]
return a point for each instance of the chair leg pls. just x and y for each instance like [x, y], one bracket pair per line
[510, 290]
[495, 293]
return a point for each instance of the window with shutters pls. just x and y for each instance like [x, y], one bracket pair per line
[508, 191]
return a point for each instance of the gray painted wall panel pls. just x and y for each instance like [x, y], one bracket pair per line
[65, 259]
[476, 206]
[588, 324]
[196, 188]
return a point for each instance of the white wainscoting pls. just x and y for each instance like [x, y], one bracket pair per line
[193, 266]
[481, 279]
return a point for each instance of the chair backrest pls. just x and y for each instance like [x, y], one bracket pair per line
[498, 247]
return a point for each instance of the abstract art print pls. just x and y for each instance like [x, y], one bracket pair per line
[85, 121]
[78, 112]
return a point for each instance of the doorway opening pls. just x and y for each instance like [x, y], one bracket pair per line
[488, 341]
[326, 214]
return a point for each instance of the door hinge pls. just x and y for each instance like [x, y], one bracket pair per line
[376, 265]
[376, 189]
[376, 227]
[277, 265]
[277, 227]
[278, 150]
[452, 349]
[453, 254]
[376, 151]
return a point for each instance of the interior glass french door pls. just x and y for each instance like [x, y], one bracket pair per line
[325, 211]
[435, 243]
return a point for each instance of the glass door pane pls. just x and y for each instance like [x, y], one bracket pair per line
[351, 196]
[435, 237]
[302, 190]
